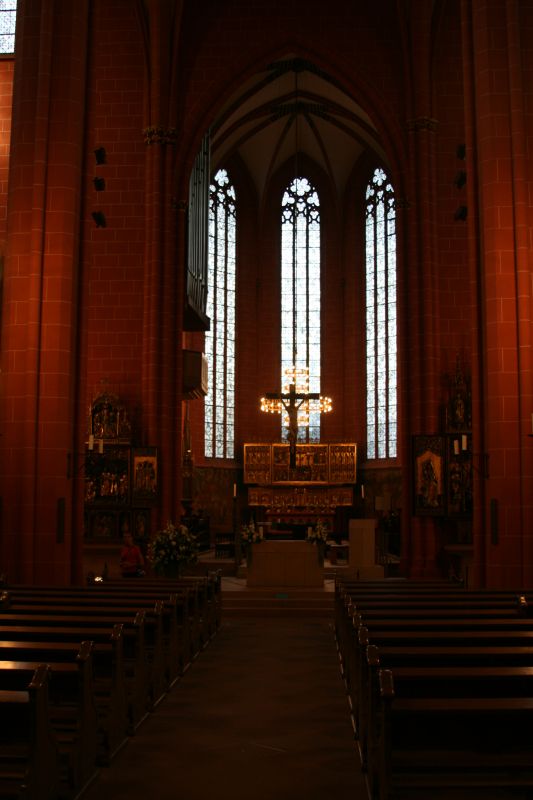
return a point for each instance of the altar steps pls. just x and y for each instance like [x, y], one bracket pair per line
[277, 603]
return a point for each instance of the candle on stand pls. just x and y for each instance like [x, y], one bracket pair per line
[91, 442]
[456, 447]
[464, 442]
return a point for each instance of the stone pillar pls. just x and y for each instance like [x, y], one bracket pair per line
[41, 517]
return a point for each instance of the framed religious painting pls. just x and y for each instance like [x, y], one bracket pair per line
[103, 525]
[343, 463]
[311, 464]
[429, 456]
[107, 476]
[144, 476]
[257, 464]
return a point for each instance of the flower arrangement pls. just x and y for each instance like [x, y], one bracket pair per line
[172, 549]
[250, 534]
[319, 534]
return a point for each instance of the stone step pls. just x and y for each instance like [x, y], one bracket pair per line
[277, 603]
[266, 612]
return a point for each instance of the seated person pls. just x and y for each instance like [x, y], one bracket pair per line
[131, 558]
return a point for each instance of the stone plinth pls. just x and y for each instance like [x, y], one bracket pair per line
[286, 563]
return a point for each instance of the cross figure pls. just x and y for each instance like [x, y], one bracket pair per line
[292, 401]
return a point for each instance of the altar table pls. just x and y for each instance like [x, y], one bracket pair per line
[286, 563]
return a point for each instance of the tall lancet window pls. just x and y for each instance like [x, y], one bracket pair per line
[381, 332]
[220, 339]
[300, 294]
[8, 20]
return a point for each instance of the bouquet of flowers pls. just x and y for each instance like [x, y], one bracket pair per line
[172, 549]
[319, 534]
[250, 534]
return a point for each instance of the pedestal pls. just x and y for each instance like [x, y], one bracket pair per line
[363, 549]
[287, 563]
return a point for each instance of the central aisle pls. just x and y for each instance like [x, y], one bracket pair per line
[262, 713]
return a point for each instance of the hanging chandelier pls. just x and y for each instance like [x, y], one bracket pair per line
[295, 389]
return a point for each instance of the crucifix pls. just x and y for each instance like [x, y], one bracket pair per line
[291, 402]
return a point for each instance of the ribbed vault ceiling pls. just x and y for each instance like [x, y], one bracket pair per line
[290, 109]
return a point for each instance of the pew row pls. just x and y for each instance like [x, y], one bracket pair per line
[405, 654]
[467, 736]
[29, 755]
[108, 685]
[156, 614]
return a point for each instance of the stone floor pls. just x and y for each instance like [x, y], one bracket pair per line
[261, 713]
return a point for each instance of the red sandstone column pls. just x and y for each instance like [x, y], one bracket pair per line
[421, 396]
[505, 286]
[163, 287]
[41, 529]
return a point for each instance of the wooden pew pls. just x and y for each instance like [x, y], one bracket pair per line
[396, 598]
[39, 605]
[72, 713]
[447, 656]
[204, 594]
[163, 638]
[398, 613]
[494, 643]
[410, 607]
[461, 742]
[29, 756]
[108, 681]
[135, 658]
[177, 617]
[197, 601]
[99, 630]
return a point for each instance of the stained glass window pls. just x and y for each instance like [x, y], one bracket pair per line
[300, 292]
[220, 339]
[381, 336]
[8, 18]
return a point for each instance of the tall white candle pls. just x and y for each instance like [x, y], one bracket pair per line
[464, 442]
[91, 442]
[456, 447]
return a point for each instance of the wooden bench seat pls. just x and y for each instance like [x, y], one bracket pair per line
[451, 653]
[458, 741]
[101, 607]
[178, 624]
[347, 631]
[72, 712]
[165, 641]
[197, 600]
[29, 755]
[98, 630]
[206, 595]
[134, 650]
[108, 680]
[452, 659]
